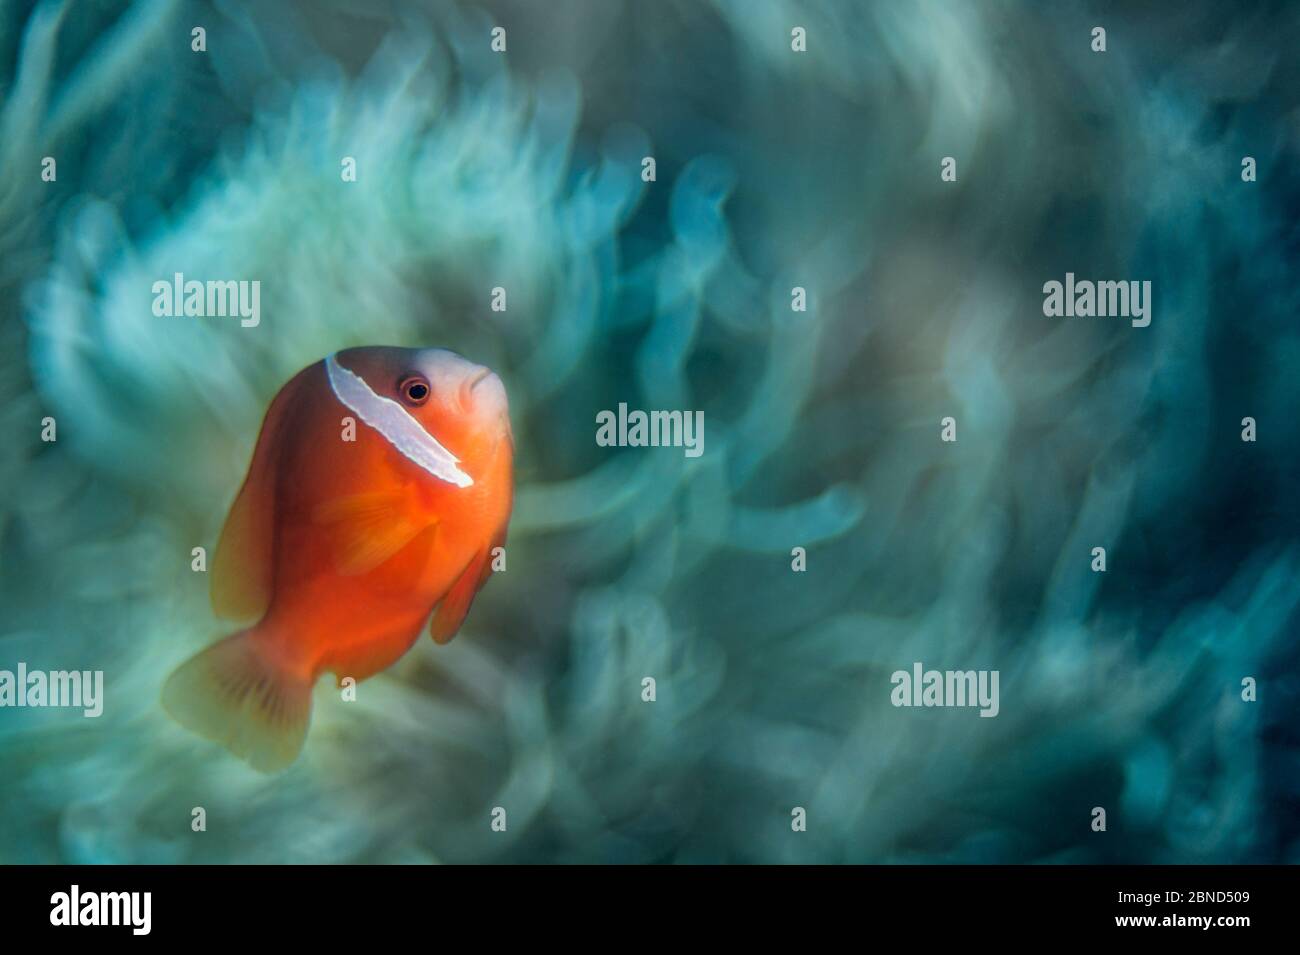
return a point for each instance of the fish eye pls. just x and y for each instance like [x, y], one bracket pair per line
[414, 389]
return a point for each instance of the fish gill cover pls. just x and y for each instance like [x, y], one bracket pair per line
[516, 177]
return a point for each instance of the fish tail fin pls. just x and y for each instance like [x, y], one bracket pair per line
[233, 695]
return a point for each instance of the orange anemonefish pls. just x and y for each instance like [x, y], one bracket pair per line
[339, 548]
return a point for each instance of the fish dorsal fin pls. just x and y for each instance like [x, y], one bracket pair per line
[367, 529]
[242, 566]
[395, 423]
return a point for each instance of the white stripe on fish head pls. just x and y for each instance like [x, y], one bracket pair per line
[396, 424]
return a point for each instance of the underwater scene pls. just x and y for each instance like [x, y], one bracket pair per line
[649, 431]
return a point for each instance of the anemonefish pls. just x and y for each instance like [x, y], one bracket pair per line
[380, 486]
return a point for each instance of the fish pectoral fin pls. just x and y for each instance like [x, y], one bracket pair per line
[451, 610]
[367, 529]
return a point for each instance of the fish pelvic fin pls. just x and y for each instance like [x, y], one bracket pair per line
[231, 694]
[367, 529]
[452, 609]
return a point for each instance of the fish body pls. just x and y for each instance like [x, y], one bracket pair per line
[380, 485]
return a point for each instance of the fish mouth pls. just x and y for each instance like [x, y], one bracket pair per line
[481, 392]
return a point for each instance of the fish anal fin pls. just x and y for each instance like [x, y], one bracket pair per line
[367, 529]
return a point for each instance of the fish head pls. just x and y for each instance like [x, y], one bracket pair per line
[458, 404]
